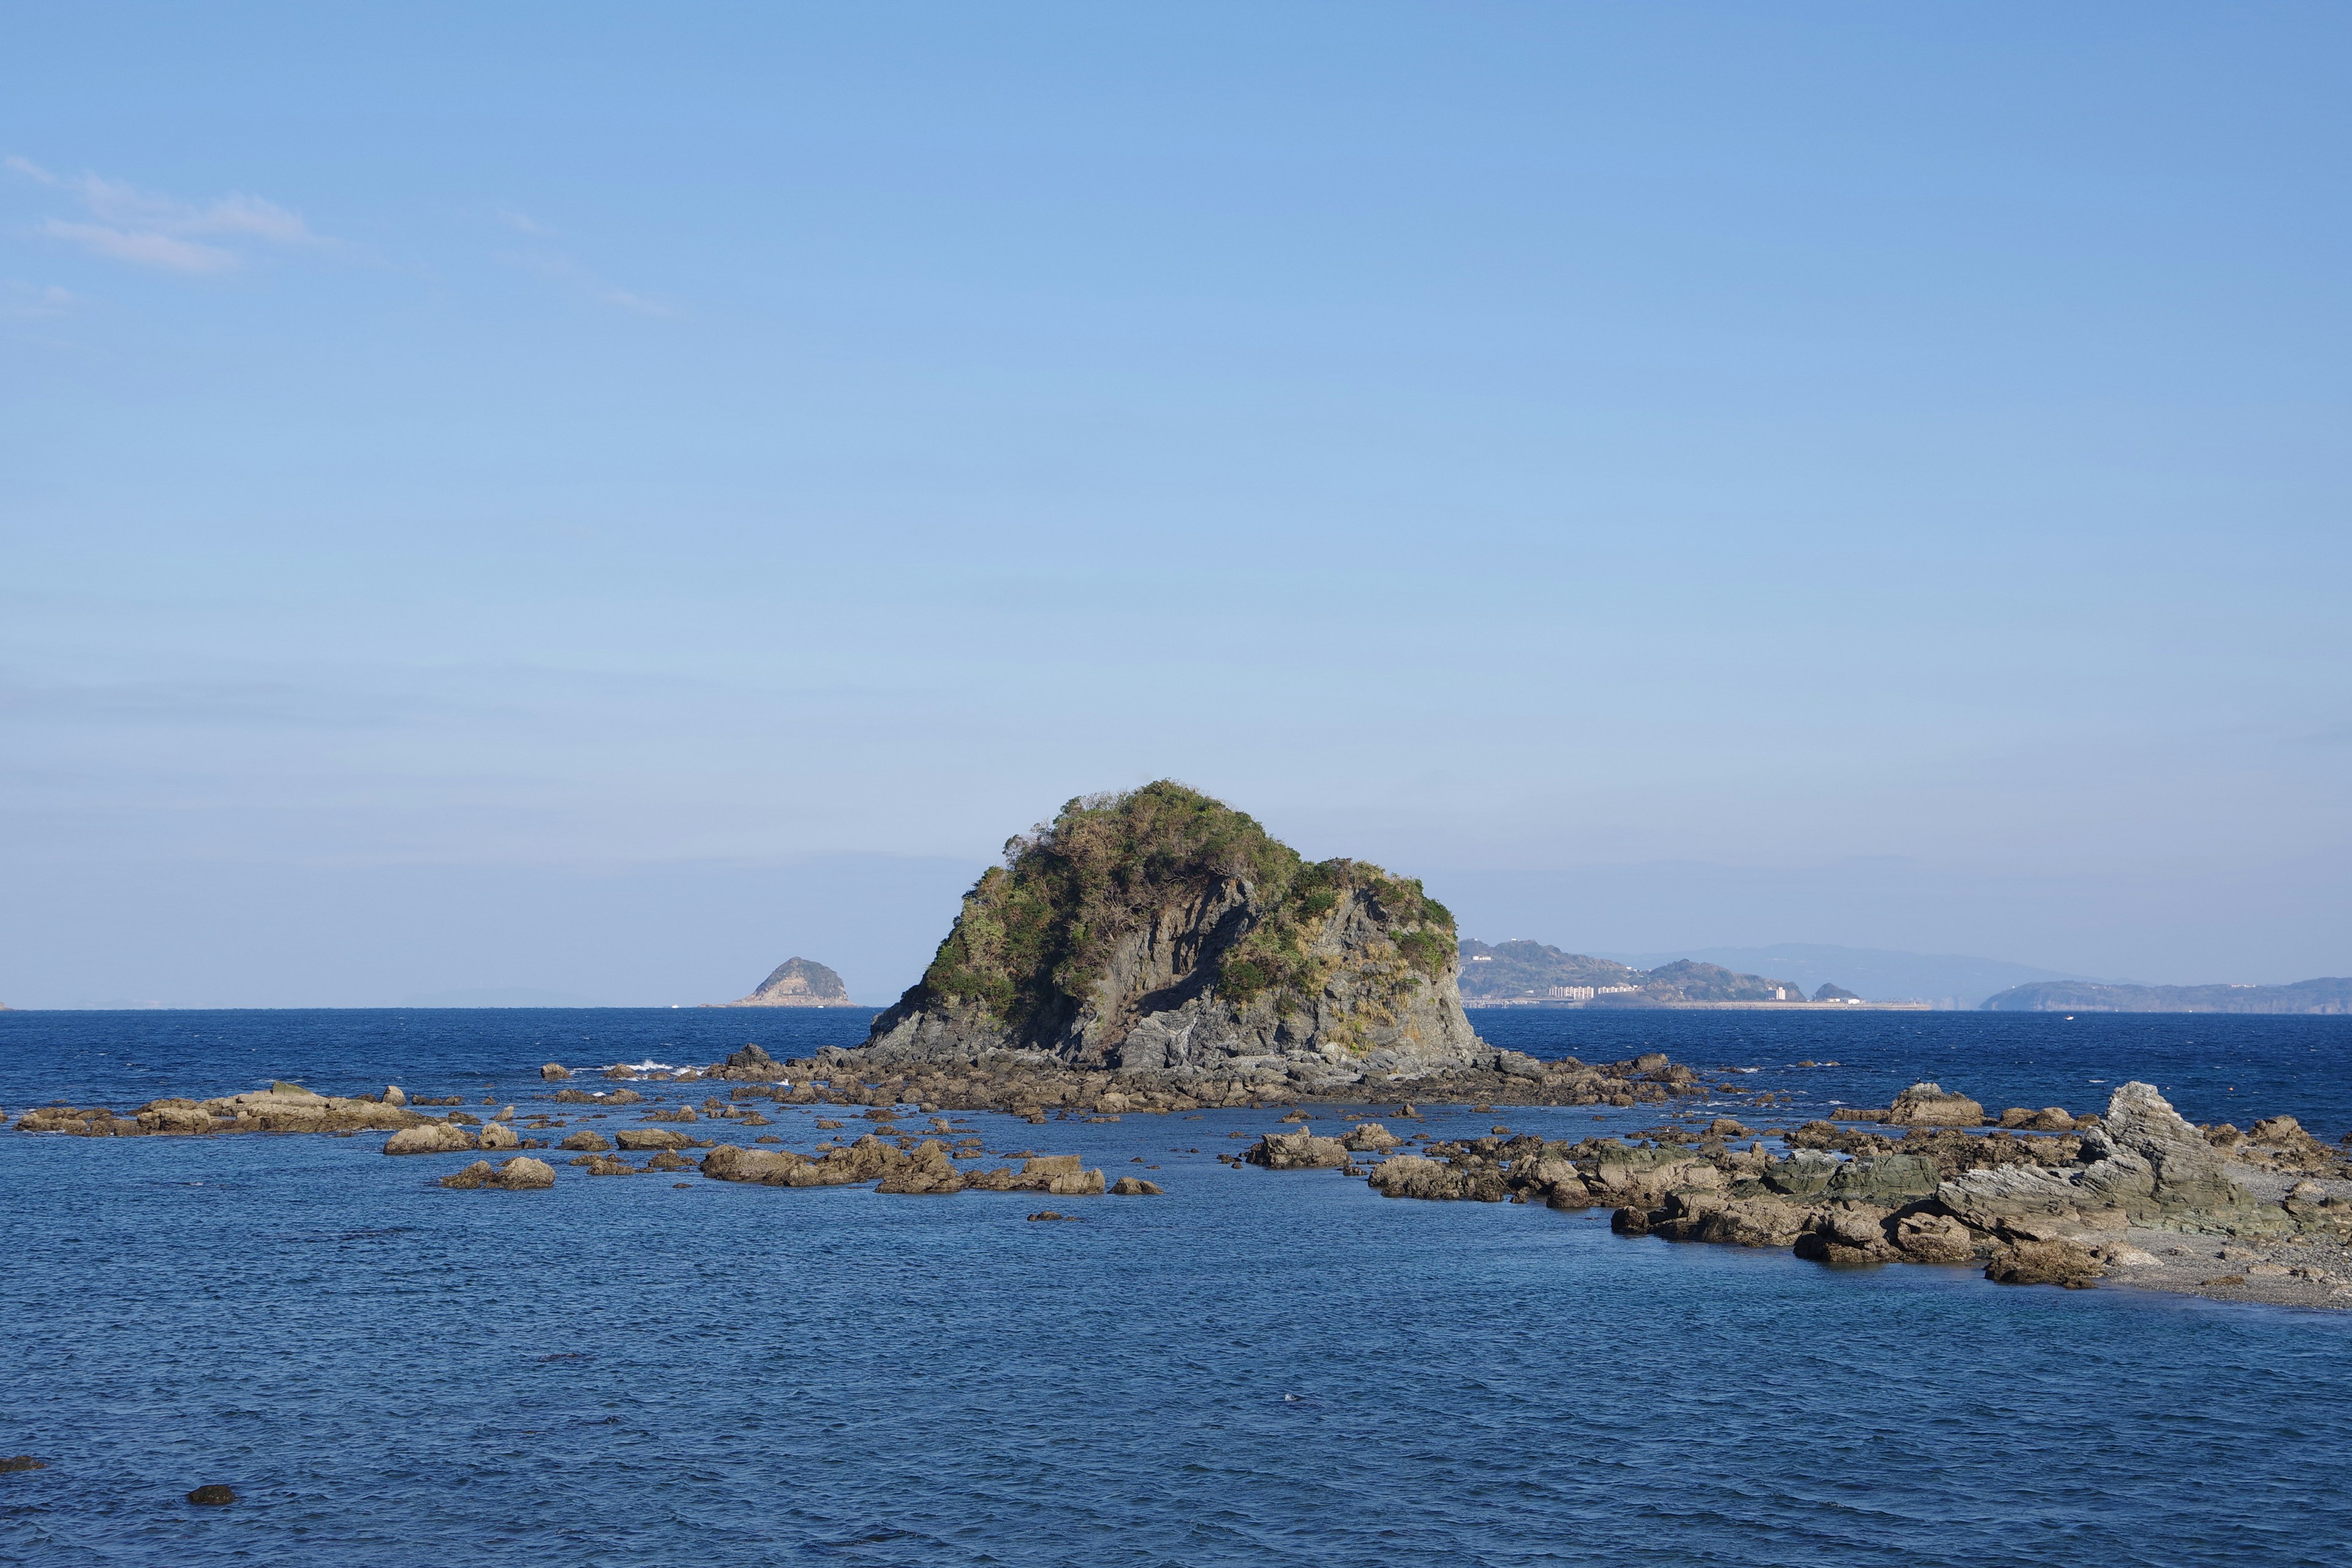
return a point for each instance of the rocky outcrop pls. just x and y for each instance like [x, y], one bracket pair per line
[798, 983]
[1299, 1151]
[1136, 1187]
[554, 1072]
[521, 1174]
[1930, 1105]
[429, 1138]
[1163, 934]
[2056, 1210]
[280, 1108]
[750, 1065]
[926, 1170]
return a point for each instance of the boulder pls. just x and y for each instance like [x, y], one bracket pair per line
[1931, 1105]
[1845, 1234]
[1299, 1151]
[640, 1138]
[214, 1496]
[769, 1167]
[589, 1141]
[1136, 1187]
[498, 1135]
[393, 1095]
[554, 1072]
[431, 1138]
[1933, 1239]
[1700, 1215]
[1369, 1135]
[604, 1165]
[2051, 1262]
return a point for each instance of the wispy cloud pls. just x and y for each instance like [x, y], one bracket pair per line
[123, 223]
[33, 302]
[560, 268]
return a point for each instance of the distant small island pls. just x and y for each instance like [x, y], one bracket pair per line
[2324, 995]
[797, 982]
[1533, 974]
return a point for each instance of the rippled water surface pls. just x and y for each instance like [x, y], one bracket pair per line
[1261, 1368]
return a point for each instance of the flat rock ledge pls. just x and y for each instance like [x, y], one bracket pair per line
[1033, 1083]
[2140, 1197]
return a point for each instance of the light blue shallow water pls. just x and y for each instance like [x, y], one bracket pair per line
[1262, 1368]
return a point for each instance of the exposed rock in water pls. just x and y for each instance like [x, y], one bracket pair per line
[281, 1108]
[750, 1064]
[1136, 1187]
[926, 1170]
[554, 1072]
[214, 1496]
[521, 1174]
[1930, 1105]
[798, 983]
[13, 1463]
[2064, 1210]
[429, 1138]
[588, 1142]
[1160, 933]
[1299, 1151]
[1368, 1136]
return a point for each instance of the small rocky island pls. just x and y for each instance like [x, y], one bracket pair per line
[1164, 934]
[795, 983]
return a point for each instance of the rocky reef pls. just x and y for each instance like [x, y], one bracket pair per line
[1164, 934]
[2137, 1193]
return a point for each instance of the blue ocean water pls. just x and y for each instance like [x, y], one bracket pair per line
[1260, 1367]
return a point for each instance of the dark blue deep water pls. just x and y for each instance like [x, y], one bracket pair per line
[1258, 1368]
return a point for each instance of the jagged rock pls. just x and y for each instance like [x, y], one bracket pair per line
[1635, 1182]
[1931, 1105]
[1412, 1177]
[2142, 1165]
[1702, 1215]
[749, 1064]
[554, 1072]
[1369, 1135]
[591, 1141]
[429, 1138]
[1299, 1151]
[1845, 1234]
[1162, 934]
[1136, 1187]
[2051, 1262]
[925, 1172]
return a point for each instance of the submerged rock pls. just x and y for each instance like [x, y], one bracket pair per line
[214, 1496]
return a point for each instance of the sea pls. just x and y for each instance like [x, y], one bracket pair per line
[1258, 1368]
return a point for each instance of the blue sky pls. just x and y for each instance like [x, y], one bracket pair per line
[597, 498]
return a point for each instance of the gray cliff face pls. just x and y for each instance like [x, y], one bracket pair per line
[1157, 1009]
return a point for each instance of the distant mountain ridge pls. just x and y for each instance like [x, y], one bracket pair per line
[2324, 995]
[1881, 975]
[1524, 972]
